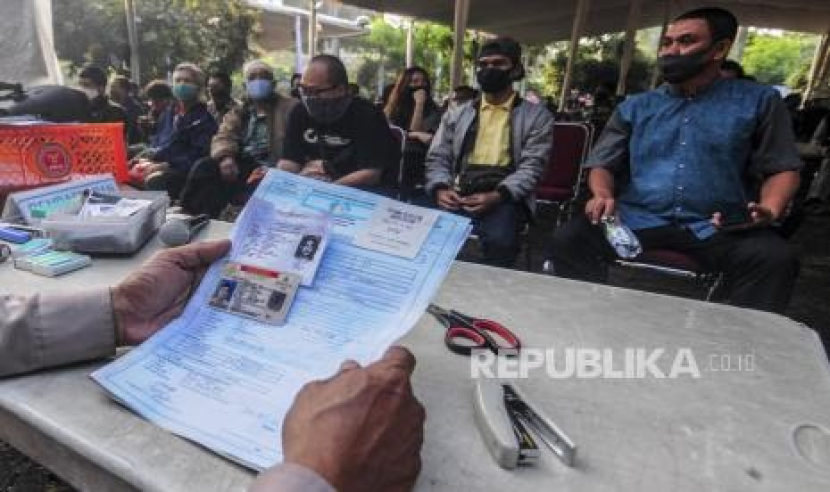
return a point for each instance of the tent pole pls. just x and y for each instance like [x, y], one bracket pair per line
[581, 14]
[312, 28]
[666, 18]
[132, 37]
[410, 43]
[628, 46]
[815, 67]
[737, 51]
[462, 12]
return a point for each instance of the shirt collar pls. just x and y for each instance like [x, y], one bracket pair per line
[506, 105]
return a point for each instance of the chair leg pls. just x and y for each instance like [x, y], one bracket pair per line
[713, 286]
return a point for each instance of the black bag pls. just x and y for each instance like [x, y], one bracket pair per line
[481, 179]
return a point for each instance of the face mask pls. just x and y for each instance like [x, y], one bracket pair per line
[259, 89]
[90, 93]
[185, 92]
[493, 79]
[219, 95]
[677, 69]
[327, 110]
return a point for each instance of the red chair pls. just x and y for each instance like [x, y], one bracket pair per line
[563, 177]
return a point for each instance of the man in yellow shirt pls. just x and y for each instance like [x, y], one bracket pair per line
[489, 154]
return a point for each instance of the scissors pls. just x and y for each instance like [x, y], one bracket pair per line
[466, 333]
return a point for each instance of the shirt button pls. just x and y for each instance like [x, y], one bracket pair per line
[679, 188]
[681, 166]
[685, 120]
[682, 143]
[678, 209]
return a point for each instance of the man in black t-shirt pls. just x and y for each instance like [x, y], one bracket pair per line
[333, 136]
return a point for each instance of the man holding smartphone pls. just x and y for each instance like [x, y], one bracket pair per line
[702, 165]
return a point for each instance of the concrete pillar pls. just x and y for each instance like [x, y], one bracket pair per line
[410, 43]
[581, 14]
[462, 13]
[629, 44]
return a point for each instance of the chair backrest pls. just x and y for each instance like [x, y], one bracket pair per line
[571, 144]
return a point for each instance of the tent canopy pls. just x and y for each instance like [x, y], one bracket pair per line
[542, 21]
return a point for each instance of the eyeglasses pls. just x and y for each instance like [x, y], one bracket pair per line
[310, 91]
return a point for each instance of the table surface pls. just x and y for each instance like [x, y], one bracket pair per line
[764, 429]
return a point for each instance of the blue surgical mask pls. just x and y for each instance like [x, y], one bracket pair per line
[259, 89]
[185, 92]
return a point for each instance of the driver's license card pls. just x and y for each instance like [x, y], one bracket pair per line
[253, 292]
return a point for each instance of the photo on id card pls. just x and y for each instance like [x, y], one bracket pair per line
[253, 292]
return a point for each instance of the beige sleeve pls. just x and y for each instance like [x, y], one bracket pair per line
[49, 330]
[288, 477]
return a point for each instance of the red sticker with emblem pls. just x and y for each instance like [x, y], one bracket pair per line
[53, 161]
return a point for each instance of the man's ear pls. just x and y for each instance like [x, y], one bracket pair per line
[722, 48]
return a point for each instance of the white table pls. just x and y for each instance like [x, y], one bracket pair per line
[723, 431]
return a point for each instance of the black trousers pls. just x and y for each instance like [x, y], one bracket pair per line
[206, 192]
[169, 180]
[759, 267]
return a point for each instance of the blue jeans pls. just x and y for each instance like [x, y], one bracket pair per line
[498, 232]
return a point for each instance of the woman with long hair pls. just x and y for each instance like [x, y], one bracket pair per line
[411, 107]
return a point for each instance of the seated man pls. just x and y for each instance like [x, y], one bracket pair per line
[361, 429]
[249, 140]
[120, 90]
[93, 82]
[220, 101]
[159, 97]
[675, 163]
[333, 136]
[489, 154]
[183, 136]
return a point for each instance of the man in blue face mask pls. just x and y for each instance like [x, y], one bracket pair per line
[703, 165]
[183, 135]
[249, 141]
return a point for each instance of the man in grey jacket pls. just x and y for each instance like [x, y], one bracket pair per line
[361, 429]
[488, 154]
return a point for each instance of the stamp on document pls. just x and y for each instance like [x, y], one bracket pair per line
[257, 293]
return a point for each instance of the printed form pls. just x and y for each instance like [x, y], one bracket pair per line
[227, 382]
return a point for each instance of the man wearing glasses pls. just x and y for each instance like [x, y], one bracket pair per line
[333, 136]
[489, 154]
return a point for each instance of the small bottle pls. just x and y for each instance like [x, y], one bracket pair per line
[621, 238]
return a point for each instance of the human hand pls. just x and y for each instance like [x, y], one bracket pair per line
[156, 293]
[315, 169]
[758, 216]
[448, 199]
[479, 203]
[257, 175]
[362, 429]
[423, 137]
[228, 169]
[600, 207]
[420, 96]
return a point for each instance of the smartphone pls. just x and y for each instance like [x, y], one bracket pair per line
[737, 220]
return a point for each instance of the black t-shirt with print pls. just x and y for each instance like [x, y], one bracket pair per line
[361, 139]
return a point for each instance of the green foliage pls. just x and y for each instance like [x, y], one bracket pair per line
[778, 60]
[209, 33]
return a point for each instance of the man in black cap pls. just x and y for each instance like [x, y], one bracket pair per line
[489, 153]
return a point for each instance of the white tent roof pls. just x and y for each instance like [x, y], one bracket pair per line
[539, 21]
[27, 53]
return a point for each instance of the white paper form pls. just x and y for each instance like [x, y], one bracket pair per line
[397, 229]
[226, 382]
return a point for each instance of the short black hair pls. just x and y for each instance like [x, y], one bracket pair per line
[223, 76]
[722, 23]
[95, 74]
[158, 89]
[334, 68]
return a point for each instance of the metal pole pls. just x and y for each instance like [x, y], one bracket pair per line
[582, 8]
[312, 29]
[132, 37]
[410, 43]
[462, 12]
[656, 75]
[628, 46]
[737, 51]
[298, 45]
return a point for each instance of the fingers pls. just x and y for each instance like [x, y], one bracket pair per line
[398, 357]
[717, 219]
[195, 255]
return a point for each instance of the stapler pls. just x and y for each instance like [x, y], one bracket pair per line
[505, 417]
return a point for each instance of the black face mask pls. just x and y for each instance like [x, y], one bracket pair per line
[677, 69]
[327, 110]
[493, 80]
[220, 95]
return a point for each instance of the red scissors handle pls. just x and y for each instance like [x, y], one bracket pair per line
[499, 329]
[478, 337]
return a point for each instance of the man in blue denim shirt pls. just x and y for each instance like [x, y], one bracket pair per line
[681, 163]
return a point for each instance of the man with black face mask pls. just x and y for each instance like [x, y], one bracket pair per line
[488, 154]
[703, 165]
[333, 136]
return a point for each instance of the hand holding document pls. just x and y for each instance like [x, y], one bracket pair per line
[227, 381]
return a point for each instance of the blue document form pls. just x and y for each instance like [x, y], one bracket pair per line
[227, 382]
